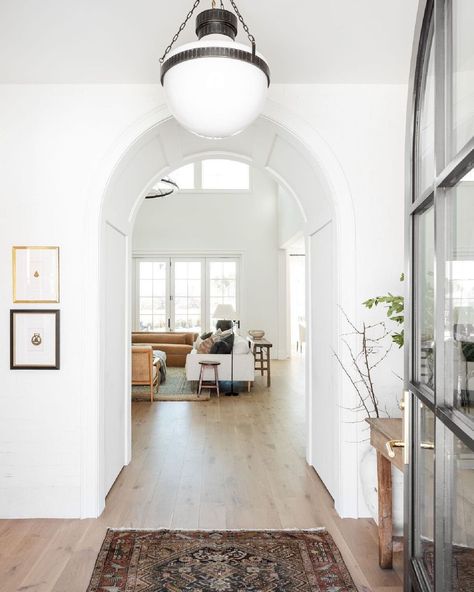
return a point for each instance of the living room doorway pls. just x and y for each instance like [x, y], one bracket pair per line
[282, 159]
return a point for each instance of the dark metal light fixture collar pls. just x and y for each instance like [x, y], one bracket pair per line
[210, 22]
[216, 21]
[215, 52]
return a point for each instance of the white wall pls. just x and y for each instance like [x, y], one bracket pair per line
[58, 147]
[324, 408]
[291, 221]
[116, 314]
[243, 224]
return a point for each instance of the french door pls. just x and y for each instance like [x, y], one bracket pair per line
[181, 293]
[439, 404]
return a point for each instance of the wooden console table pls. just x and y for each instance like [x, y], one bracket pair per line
[383, 430]
[261, 351]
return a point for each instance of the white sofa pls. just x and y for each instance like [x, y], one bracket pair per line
[244, 366]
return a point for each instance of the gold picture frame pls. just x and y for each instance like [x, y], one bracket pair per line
[35, 274]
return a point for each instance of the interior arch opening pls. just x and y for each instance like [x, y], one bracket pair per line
[301, 190]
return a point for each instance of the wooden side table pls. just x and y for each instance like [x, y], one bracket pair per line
[261, 350]
[383, 430]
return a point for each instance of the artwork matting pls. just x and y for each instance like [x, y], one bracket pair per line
[34, 339]
[35, 274]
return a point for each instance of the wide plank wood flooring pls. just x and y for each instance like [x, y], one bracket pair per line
[233, 462]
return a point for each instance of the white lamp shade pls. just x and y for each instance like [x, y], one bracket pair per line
[225, 312]
[215, 97]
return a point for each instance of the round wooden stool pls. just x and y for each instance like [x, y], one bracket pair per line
[209, 384]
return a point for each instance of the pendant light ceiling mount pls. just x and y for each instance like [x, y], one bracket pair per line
[215, 87]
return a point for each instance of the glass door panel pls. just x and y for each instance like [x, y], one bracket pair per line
[222, 286]
[440, 484]
[463, 73]
[459, 314]
[460, 556]
[424, 298]
[424, 491]
[188, 297]
[153, 302]
[425, 138]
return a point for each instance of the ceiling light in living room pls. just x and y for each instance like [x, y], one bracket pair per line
[215, 87]
[163, 188]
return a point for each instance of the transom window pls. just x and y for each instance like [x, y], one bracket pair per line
[214, 174]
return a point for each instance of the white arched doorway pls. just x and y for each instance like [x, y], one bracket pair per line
[298, 159]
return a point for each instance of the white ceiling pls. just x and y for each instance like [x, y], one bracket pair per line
[120, 41]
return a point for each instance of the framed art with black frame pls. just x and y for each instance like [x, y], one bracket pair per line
[34, 339]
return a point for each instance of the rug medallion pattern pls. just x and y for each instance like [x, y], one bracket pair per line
[220, 561]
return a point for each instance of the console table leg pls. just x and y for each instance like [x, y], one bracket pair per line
[384, 476]
[269, 377]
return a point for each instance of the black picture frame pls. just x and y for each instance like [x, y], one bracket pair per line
[51, 312]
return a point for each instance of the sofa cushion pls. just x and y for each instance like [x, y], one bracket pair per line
[176, 348]
[155, 337]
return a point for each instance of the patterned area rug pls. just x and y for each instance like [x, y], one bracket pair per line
[175, 388]
[220, 561]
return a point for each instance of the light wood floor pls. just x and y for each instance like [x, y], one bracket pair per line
[236, 462]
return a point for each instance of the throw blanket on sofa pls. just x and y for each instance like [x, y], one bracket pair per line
[161, 355]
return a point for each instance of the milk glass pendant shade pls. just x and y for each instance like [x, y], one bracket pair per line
[215, 87]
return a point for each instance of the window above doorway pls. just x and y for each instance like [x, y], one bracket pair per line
[212, 175]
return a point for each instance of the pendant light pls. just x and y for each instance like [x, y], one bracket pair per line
[215, 87]
[163, 188]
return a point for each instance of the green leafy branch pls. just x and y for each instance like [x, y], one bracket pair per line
[395, 306]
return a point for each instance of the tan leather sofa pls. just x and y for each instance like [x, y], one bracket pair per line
[176, 345]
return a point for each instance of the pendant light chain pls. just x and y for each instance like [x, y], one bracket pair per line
[244, 25]
[181, 27]
[190, 14]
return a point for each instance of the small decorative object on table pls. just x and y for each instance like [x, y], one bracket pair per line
[256, 333]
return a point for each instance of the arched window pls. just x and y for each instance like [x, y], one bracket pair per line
[213, 174]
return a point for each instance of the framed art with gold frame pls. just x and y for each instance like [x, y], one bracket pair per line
[35, 274]
[34, 339]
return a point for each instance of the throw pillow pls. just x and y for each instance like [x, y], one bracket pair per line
[205, 346]
[223, 346]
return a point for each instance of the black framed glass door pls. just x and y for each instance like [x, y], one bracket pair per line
[439, 370]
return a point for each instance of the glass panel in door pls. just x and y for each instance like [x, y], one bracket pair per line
[153, 314]
[463, 73]
[425, 171]
[188, 296]
[222, 286]
[459, 313]
[424, 298]
[424, 462]
[459, 560]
